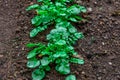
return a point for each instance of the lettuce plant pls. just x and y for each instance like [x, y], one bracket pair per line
[59, 50]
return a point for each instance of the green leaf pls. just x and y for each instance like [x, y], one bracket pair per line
[74, 10]
[78, 18]
[35, 31]
[72, 30]
[62, 14]
[44, 7]
[59, 4]
[61, 42]
[74, 53]
[71, 77]
[60, 54]
[69, 48]
[71, 41]
[36, 20]
[47, 68]
[33, 62]
[63, 68]
[45, 61]
[39, 0]
[79, 35]
[73, 19]
[45, 52]
[77, 61]
[38, 74]
[83, 9]
[34, 6]
[61, 23]
[58, 61]
[35, 51]
[69, 0]
[41, 12]
[30, 45]
[32, 53]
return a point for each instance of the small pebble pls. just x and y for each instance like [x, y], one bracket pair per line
[23, 48]
[99, 78]
[89, 9]
[110, 63]
[25, 27]
[79, 1]
[1, 56]
[95, 3]
[103, 43]
[19, 79]
[83, 72]
[17, 47]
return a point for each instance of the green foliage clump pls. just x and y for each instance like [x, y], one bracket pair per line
[59, 49]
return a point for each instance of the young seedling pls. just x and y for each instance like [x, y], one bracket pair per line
[59, 49]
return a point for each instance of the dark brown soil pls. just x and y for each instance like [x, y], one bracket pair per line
[100, 48]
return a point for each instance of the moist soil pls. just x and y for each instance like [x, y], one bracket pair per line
[100, 48]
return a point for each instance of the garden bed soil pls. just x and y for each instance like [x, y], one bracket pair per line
[100, 48]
